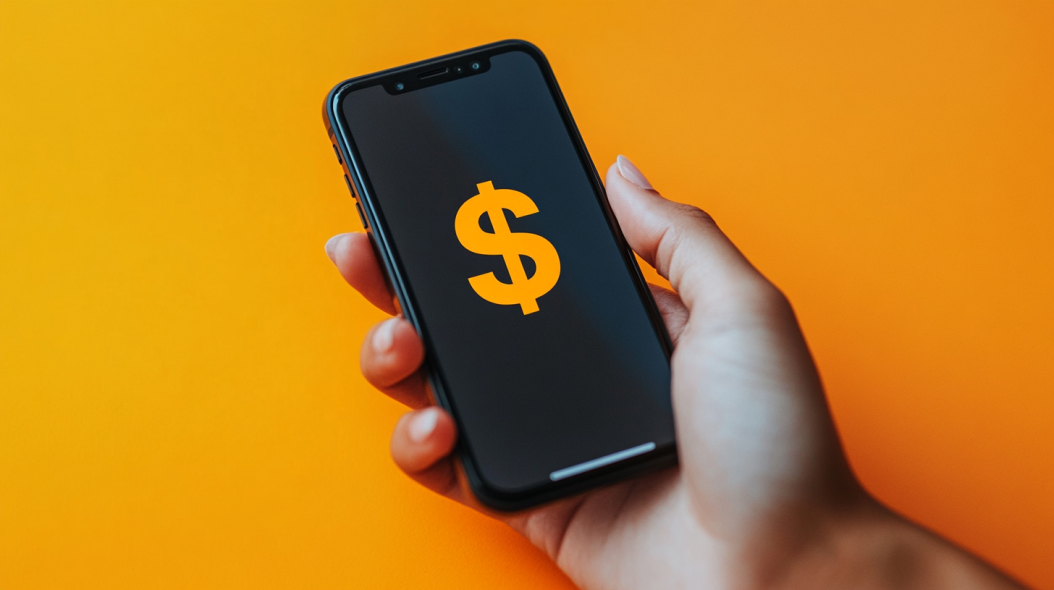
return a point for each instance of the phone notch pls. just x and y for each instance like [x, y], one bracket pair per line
[434, 73]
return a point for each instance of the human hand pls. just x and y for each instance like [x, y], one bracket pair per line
[763, 495]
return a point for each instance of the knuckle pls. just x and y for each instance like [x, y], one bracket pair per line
[691, 221]
[767, 300]
[695, 214]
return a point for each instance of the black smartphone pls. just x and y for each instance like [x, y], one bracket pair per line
[542, 338]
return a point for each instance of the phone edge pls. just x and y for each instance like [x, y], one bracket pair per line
[661, 457]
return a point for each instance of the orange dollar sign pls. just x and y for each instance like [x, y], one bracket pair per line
[510, 246]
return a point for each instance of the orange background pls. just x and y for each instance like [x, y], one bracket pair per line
[180, 402]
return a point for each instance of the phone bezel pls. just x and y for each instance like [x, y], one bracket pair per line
[336, 126]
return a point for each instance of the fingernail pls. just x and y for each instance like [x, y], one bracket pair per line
[384, 337]
[331, 246]
[422, 424]
[632, 173]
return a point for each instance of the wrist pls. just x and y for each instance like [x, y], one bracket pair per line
[865, 545]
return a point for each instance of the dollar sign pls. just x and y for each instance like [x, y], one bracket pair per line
[510, 246]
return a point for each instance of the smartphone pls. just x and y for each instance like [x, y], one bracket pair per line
[542, 338]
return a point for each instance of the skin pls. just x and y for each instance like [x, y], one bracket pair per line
[763, 496]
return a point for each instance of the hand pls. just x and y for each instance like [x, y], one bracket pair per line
[763, 496]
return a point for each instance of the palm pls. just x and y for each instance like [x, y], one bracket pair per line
[599, 539]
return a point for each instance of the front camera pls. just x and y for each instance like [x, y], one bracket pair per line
[475, 65]
[399, 86]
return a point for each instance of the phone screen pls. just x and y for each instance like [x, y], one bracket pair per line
[529, 309]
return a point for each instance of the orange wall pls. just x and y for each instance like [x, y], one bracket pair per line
[180, 404]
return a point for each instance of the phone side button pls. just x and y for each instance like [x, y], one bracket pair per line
[362, 217]
[336, 151]
[351, 189]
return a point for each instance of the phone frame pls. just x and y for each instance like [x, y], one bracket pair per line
[362, 192]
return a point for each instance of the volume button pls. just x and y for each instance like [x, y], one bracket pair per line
[351, 189]
[336, 151]
[362, 217]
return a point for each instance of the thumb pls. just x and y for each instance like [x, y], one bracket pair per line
[682, 242]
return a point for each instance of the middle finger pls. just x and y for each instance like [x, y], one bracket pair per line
[391, 360]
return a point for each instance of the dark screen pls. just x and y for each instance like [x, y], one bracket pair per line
[581, 378]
